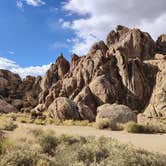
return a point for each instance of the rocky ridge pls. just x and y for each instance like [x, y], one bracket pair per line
[128, 70]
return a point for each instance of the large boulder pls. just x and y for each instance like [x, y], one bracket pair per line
[161, 44]
[131, 42]
[6, 107]
[63, 108]
[116, 113]
[102, 90]
[86, 104]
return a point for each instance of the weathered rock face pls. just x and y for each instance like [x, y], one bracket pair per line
[161, 44]
[30, 89]
[131, 42]
[9, 84]
[56, 72]
[63, 108]
[86, 104]
[19, 93]
[116, 113]
[157, 104]
[137, 81]
[6, 107]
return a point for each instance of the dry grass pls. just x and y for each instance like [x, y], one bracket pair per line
[36, 147]
[133, 127]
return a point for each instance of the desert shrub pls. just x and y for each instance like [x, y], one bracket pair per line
[12, 116]
[69, 140]
[93, 152]
[48, 143]
[8, 125]
[37, 132]
[133, 127]
[39, 122]
[76, 123]
[19, 157]
[155, 128]
[45, 149]
[25, 156]
[68, 122]
[5, 145]
[105, 123]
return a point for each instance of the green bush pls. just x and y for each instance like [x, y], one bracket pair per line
[48, 143]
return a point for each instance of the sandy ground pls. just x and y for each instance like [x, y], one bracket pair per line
[150, 142]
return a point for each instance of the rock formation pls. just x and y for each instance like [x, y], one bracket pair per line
[161, 44]
[116, 113]
[128, 70]
[6, 107]
[63, 108]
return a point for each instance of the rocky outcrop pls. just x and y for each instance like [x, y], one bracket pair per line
[131, 42]
[30, 89]
[157, 105]
[86, 104]
[9, 84]
[19, 93]
[122, 71]
[107, 74]
[63, 108]
[161, 44]
[6, 107]
[116, 113]
[56, 72]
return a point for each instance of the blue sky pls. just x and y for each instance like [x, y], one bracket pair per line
[33, 35]
[34, 32]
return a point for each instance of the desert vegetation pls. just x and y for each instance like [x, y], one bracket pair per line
[36, 147]
[9, 122]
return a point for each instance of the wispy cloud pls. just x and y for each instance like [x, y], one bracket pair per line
[58, 45]
[20, 5]
[11, 52]
[35, 3]
[22, 71]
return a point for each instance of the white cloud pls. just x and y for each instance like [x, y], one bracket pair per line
[22, 71]
[35, 3]
[98, 17]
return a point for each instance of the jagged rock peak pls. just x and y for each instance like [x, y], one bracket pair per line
[98, 46]
[132, 42]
